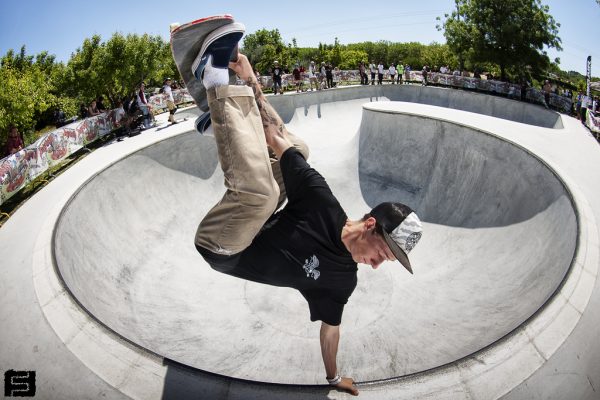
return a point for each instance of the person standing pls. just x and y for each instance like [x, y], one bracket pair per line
[297, 78]
[392, 72]
[168, 91]
[373, 70]
[400, 70]
[276, 73]
[425, 73]
[312, 76]
[143, 105]
[364, 80]
[322, 74]
[585, 100]
[547, 88]
[329, 75]
[380, 73]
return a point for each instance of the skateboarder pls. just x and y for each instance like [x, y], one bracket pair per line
[310, 244]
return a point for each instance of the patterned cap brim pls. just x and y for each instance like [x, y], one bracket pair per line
[398, 252]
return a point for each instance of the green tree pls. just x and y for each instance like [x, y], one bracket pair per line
[349, 59]
[510, 33]
[30, 92]
[263, 47]
[116, 67]
[24, 95]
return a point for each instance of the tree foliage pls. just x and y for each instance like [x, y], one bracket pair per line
[29, 92]
[114, 68]
[512, 34]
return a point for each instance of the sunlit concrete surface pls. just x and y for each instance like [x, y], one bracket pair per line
[103, 281]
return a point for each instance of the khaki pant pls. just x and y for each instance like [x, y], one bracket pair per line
[253, 179]
[171, 107]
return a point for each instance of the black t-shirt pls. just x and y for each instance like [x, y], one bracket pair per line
[300, 246]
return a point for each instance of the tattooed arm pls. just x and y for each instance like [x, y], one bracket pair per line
[275, 132]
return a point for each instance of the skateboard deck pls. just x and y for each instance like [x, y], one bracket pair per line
[186, 42]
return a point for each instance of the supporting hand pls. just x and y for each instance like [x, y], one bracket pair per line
[347, 384]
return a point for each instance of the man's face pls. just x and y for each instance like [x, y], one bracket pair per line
[371, 248]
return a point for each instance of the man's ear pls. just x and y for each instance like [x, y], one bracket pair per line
[369, 223]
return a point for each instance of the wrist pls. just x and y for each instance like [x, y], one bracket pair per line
[335, 380]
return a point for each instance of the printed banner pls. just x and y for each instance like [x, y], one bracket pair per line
[592, 122]
[159, 101]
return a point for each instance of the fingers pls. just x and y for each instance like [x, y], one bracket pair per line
[347, 384]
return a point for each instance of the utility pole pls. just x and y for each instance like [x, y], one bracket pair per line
[588, 77]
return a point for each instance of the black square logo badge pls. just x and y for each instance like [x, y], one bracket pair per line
[19, 383]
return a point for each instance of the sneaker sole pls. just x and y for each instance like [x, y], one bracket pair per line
[221, 52]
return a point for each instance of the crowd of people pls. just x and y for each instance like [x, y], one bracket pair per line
[323, 76]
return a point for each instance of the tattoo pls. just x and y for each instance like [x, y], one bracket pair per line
[272, 123]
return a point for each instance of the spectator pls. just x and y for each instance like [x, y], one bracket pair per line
[120, 120]
[547, 88]
[276, 73]
[400, 70]
[364, 79]
[329, 75]
[336, 76]
[59, 118]
[373, 70]
[407, 74]
[297, 78]
[100, 105]
[143, 105]
[524, 86]
[424, 72]
[93, 109]
[392, 72]
[83, 111]
[322, 74]
[14, 142]
[578, 105]
[380, 73]
[312, 75]
[585, 104]
[119, 113]
[167, 90]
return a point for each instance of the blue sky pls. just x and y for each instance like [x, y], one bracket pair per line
[60, 26]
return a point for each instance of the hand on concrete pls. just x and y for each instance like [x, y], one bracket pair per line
[347, 384]
[242, 67]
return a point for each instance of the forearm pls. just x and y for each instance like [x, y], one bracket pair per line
[330, 337]
[275, 131]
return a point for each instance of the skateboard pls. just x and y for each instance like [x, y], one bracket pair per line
[181, 120]
[186, 42]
